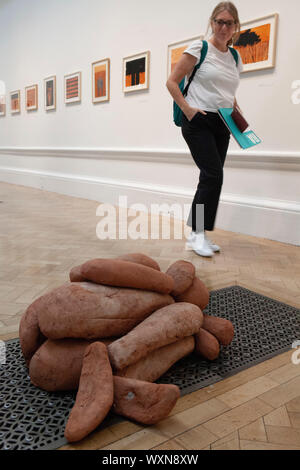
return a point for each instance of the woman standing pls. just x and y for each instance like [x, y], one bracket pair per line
[213, 86]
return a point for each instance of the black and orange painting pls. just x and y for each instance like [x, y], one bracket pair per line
[136, 72]
[257, 43]
[253, 44]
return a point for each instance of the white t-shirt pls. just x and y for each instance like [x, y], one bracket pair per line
[216, 81]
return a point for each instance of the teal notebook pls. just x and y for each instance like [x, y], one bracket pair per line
[245, 139]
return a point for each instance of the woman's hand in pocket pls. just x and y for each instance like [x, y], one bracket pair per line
[191, 113]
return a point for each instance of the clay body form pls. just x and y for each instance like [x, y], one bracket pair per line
[115, 328]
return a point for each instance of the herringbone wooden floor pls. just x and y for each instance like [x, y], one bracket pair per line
[43, 235]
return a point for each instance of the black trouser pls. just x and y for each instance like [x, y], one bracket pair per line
[208, 140]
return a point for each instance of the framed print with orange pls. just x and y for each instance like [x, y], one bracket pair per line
[73, 87]
[257, 43]
[15, 102]
[100, 81]
[175, 51]
[2, 105]
[31, 97]
[50, 93]
[136, 72]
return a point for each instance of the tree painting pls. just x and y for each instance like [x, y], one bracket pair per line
[135, 72]
[253, 44]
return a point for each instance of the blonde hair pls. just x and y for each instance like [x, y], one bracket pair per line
[231, 8]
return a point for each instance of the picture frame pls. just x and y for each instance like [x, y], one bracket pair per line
[136, 72]
[257, 43]
[2, 105]
[176, 49]
[15, 102]
[72, 87]
[100, 80]
[50, 93]
[31, 98]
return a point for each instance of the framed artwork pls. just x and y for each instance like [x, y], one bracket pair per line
[31, 97]
[257, 43]
[175, 51]
[73, 87]
[50, 93]
[2, 105]
[100, 80]
[15, 102]
[136, 72]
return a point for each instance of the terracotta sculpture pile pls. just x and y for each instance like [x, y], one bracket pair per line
[112, 331]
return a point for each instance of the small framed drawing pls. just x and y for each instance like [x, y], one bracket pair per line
[73, 87]
[100, 80]
[2, 105]
[257, 43]
[50, 93]
[136, 72]
[31, 98]
[15, 102]
[176, 49]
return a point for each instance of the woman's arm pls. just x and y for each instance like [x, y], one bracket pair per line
[184, 67]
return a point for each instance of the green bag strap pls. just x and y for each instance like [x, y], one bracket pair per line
[235, 54]
[202, 57]
[203, 53]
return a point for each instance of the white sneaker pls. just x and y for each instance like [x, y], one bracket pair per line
[190, 237]
[199, 244]
[212, 245]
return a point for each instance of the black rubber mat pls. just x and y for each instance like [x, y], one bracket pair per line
[31, 418]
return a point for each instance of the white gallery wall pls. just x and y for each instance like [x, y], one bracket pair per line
[129, 145]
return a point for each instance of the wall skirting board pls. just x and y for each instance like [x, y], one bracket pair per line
[274, 159]
[266, 217]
